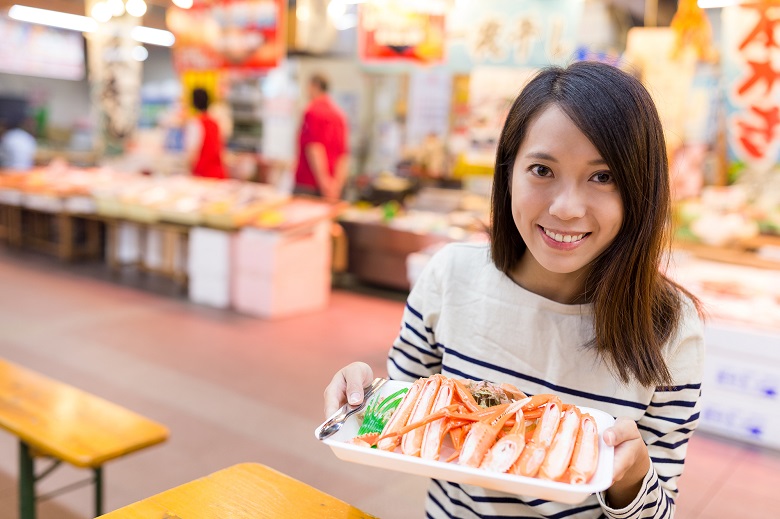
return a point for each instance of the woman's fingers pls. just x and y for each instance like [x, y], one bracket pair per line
[631, 457]
[347, 383]
[623, 430]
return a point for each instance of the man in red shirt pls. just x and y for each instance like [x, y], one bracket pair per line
[204, 142]
[322, 145]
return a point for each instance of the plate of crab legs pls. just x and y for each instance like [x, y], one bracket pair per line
[533, 446]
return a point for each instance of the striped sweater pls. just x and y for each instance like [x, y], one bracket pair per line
[466, 319]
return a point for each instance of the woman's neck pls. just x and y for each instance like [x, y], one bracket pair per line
[566, 288]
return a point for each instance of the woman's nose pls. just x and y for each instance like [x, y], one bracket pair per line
[568, 203]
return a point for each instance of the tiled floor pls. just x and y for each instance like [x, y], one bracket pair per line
[234, 389]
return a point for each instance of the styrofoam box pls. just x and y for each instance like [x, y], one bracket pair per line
[750, 421]
[741, 384]
[277, 275]
[210, 252]
[265, 251]
[210, 289]
[128, 243]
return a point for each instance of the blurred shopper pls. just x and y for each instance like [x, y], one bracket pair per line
[322, 141]
[204, 141]
[17, 147]
[567, 298]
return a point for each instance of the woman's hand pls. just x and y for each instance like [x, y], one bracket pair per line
[347, 383]
[632, 461]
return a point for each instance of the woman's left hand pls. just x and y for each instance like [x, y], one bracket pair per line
[632, 461]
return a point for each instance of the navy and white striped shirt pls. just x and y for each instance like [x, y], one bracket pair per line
[466, 319]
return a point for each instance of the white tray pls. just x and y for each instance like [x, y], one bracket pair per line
[509, 483]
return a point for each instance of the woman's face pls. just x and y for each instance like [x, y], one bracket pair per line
[565, 202]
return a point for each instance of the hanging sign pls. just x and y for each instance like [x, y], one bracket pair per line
[509, 33]
[398, 31]
[37, 50]
[241, 35]
[751, 70]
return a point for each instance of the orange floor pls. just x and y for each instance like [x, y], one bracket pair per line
[234, 389]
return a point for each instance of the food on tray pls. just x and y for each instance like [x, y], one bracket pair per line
[493, 427]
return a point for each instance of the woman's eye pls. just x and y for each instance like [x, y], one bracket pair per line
[603, 177]
[540, 171]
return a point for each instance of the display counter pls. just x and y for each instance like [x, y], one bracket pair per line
[377, 253]
[382, 239]
[229, 243]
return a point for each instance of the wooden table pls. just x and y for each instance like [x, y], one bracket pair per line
[67, 424]
[246, 490]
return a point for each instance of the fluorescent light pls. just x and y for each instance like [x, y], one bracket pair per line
[709, 4]
[153, 36]
[72, 22]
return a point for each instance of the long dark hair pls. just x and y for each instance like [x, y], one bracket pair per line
[636, 308]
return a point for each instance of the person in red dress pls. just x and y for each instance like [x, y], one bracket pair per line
[322, 145]
[204, 140]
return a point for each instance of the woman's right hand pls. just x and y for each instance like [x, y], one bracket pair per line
[347, 384]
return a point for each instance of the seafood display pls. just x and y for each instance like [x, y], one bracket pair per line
[496, 428]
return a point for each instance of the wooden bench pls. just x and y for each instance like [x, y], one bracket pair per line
[58, 421]
[243, 491]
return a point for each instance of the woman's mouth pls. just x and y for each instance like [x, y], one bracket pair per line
[561, 237]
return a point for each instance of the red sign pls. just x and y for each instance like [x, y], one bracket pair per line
[755, 125]
[228, 34]
[388, 33]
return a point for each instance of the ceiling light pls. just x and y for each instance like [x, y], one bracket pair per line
[153, 36]
[72, 22]
[136, 8]
[117, 7]
[101, 12]
[184, 4]
[139, 53]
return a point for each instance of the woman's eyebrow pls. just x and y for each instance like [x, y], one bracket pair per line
[546, 156]
[540, 155]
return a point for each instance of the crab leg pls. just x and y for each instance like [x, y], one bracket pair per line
[411, 442]
[483, 434]
[586, 452]
[435, 430]
[536, 450]
[400, 417]
[506, 450]
[562, 447]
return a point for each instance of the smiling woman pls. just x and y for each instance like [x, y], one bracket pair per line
[568, 298]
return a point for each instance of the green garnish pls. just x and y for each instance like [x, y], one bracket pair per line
[378, 413]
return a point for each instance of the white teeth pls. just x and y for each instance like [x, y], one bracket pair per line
[564, 238]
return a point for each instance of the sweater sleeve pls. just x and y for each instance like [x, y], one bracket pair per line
[415, 352]
[667, 425]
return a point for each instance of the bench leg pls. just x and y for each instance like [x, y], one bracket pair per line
[98, 471]
[26, 482]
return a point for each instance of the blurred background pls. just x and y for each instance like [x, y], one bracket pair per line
[222, 307]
